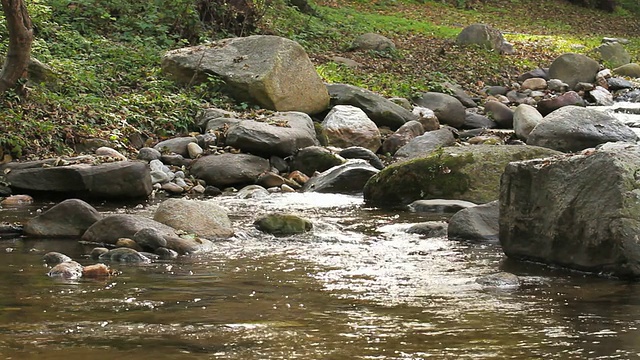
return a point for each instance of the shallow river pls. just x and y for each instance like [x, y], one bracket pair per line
[357, 287]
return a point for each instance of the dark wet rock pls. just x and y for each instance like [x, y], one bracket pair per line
[570, 98]
[372, 41]
[271, 71]
[122, 179]
[97, 252]
[150, 239]
[525, 119]
[501, 280]
[315, 158]
[407, 132]
[54, 258]
[429, 229]
[212, 191]
[113, 227]
[582, 213]
[166, 254]
[477, 223]
[447, 108]
[426, 143]
[347, 125]
[536, 73]
[484, 36]
[229, 169]
[10, 230]
[616, 83]
[279, 164]
[176, 145]
[474, 120]
[574, 68]
[68, 270]
[346, 179]
[203, 218]
[500, 113]
[470, 173]
[574, 128]
[382, 111]
[439, 206]
[71, 217]
[280, 134]
[125, 255]
[357, 152]
[283, 224]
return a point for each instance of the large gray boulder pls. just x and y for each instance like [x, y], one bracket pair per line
[447, 108]
[574, 68]
[280, 134]
[348, 178]
[346, 126]
[574, 128]
[71, 217]
[271, 71]
[122, 179]
[582, 213]
[614, 54]
[382, 111]
[113, 227]
[484, 36]
[202, 218]
[477, 223]
[426, 143]
[470, 173]
[229, 169]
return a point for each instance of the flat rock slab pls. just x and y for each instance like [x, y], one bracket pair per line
[122, 179]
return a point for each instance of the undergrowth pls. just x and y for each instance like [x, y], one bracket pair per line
[105, 56]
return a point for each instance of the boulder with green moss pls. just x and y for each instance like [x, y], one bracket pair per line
[283, 224]
[470, 173]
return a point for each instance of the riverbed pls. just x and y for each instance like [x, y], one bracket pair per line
[357, 287]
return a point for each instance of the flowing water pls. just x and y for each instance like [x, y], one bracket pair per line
[357, 287]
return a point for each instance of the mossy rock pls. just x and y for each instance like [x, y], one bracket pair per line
[470, 173]
[283, 224]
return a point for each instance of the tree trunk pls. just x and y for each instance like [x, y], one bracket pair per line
[20, 38]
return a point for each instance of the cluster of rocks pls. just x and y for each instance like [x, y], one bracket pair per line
[333, 138]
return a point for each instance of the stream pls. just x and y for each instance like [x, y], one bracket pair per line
[357, 287]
